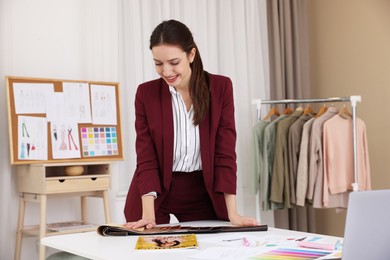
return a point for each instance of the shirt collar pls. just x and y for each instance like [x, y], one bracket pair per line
[172, 90]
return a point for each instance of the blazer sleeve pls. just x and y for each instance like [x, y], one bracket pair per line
[147, 171]
[225, 166]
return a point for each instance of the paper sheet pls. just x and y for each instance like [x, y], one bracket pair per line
[65, 140]
[103, 105]
[32, 138]
[77, 102]
[30, 98]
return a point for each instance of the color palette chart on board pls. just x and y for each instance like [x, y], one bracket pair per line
[291, 253]
[99, 141]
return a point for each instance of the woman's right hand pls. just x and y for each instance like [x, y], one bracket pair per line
[148, 219]
[144, 222]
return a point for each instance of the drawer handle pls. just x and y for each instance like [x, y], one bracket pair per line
[94, 178]
[61, 180]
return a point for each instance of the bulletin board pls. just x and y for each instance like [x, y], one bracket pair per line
[53, 120]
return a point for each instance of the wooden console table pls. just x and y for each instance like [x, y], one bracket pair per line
[36, 182]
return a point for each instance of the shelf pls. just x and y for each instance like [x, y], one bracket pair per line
[37, 182]
[34, 231]
[43, 179]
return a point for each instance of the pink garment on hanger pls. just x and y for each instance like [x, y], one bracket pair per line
[338, 156]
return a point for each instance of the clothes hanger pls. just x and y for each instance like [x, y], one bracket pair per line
[273, 111]
[300, 108]
[344, 112]
[322, 110]
[288, 110]
[308, 110]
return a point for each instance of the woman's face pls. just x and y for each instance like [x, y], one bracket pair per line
[173, 64]
[169, 244]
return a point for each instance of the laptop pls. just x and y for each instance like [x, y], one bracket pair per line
[367, 228]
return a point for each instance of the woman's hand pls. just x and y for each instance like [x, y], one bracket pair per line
[235, 218]
[147, 223]
[238, 220]
[148, 220]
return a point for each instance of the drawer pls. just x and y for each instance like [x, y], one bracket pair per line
[77, 184]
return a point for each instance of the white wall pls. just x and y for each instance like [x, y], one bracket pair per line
[48, 39]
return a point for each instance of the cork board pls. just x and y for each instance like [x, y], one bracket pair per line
[54, 120]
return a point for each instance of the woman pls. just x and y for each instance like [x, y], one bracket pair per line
[186, 160]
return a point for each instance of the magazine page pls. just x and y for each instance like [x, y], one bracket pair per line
[166, 242]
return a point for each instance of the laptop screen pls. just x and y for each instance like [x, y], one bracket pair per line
[367, 228]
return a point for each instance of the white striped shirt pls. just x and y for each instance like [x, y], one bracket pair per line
[186, 144]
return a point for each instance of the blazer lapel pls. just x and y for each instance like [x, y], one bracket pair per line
[167, 128]
[204, 133]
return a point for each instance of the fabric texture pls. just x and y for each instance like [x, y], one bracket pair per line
[258, 142]
[303, 164]
[186, 136]
[280, 183]
[187, 199]
[338, 156]
[294, 143]
[288, 49]
[316, 170]
[268, 162]
[288, 56]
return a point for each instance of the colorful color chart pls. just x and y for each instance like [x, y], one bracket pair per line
[291, 254]
[99, 141]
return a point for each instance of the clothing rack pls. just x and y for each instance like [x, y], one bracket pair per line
[352, 99]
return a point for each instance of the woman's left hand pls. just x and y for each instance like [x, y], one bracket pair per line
[235, 218]
[238, 220]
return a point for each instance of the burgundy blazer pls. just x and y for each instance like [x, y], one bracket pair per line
[154, 145]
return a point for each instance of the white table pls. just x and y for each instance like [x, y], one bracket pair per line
[93, 246]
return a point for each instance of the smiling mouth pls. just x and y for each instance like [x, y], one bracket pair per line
[171, 79]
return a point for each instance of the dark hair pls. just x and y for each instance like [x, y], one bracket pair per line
[173, 32]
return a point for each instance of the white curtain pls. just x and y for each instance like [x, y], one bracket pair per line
[108, 40]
